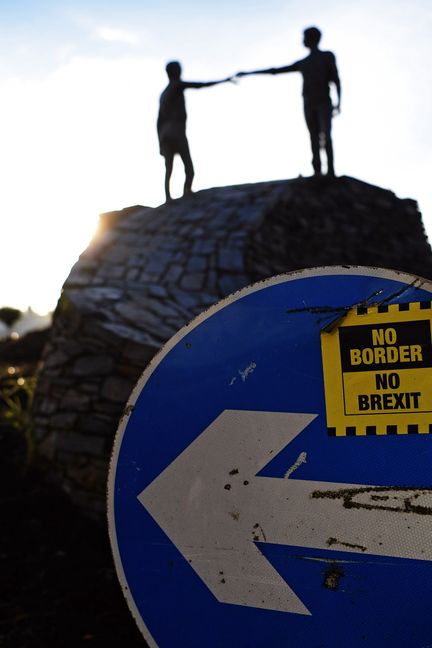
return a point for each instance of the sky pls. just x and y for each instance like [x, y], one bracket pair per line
[80, 83]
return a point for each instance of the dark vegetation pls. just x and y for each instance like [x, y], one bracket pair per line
[58, 583]
[9, 315]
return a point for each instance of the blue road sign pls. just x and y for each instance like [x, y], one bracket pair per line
[271, 479]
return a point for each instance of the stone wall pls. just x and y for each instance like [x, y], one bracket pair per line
[149, 271]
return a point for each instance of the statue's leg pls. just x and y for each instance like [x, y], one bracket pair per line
[326, 128]
[312, 123]
[169, 161]
[188, 166]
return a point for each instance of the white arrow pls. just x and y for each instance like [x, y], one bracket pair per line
[214, 508]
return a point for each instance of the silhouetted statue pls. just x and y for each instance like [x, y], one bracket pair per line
[171, 124]
[318, 70]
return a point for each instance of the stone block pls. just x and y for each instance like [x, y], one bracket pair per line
[98, 423]
[72, 443]
[185, 300]
[112, 272]
[158, 264]
[173, 273]
[88, 474]
[203, 247]
[132, 274]
[131, 311]
[119, 333]
[76, 402]
[93, 366]
[229, 284]
[231, 260]
[103, 294]
[47, 444]
[56, 359]
[162, 309]
[193, 281]
[48, 406]
[116, 389]
[139, 354]
[114, 410]
[63, 420]
[155, 290]
[196, 264]
[80, 277]
[118, 254]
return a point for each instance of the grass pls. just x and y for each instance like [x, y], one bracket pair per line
[16, 398]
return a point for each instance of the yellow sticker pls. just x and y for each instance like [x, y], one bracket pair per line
[378, 371]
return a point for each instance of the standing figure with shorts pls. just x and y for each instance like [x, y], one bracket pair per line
[171, 124]
[318, 70]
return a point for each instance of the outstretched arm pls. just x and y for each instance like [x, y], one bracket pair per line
[280, 70]
[204, 84]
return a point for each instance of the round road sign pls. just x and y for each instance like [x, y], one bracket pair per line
[271, 482]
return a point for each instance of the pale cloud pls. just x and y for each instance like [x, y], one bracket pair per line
[114, 35]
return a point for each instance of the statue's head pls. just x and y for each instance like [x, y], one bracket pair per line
[173, 69]
[311, 37]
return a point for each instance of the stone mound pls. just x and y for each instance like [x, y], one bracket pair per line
[148, 272]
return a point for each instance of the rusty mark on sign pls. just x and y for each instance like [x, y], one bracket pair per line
[257, 526]
[398, 499]
[349, 545]
[332, 576]
[127, 411]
